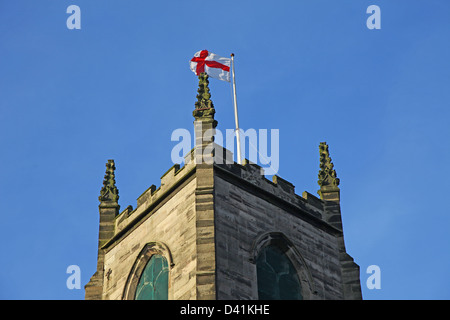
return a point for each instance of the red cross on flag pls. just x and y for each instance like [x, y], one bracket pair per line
[214, 65]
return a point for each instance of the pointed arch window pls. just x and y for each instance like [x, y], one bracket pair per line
[280, 270]
[277, 276]
[154, 281]
[149, 277]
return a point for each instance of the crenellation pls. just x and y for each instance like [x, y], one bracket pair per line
[126, 212]
[146, 195]
[168, 177]
[152, 195]
[279, 187]
[285, 185]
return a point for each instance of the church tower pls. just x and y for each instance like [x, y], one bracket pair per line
[220, 230]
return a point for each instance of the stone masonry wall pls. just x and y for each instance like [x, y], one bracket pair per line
[173, 224]
[241, 216]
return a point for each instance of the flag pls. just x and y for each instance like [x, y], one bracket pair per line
[214, 65]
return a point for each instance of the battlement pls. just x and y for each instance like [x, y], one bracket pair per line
[153, 195]
[249, 173]
[253, 175]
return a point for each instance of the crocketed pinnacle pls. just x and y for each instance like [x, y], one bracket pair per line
[204, 107]
[328, 180]
[109, 191]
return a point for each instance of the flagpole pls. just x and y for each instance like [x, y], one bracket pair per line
[236, 119]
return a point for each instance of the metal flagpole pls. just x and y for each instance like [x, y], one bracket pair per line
[236, 119]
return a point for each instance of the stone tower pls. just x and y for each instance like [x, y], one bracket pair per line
[219, 230]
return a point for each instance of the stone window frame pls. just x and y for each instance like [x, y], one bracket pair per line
[149, 249]
[286, 246]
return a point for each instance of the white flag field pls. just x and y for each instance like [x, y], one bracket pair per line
[215, 66]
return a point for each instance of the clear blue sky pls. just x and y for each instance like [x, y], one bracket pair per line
[116, 89]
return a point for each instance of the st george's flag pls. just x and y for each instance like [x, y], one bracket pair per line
[214, 65]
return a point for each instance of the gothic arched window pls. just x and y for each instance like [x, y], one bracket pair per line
[154, 281]
[277, 276]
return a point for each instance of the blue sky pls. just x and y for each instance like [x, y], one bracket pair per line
[116, 89]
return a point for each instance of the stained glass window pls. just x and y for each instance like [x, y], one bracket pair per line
[154, 281]
[277, 277]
